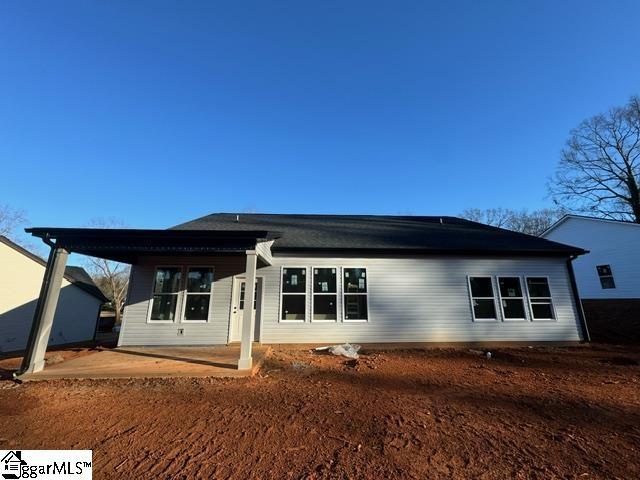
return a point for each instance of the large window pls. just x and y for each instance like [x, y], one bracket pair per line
[166, 291]
[511, 298]
[606, 276]
[325, 295]
[355, 294]
[482, 298]
[294, 294]
[198, 293]
[540, 298]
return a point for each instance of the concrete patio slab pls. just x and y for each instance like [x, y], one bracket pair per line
[154, 362]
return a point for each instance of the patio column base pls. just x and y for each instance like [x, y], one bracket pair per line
[245, 363]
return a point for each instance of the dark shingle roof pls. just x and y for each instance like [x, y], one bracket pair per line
[400, 234]
[78, 276]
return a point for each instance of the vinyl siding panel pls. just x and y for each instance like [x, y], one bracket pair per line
[608, 243]
[422, 299]
[137, 331]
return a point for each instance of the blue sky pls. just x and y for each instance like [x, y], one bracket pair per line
[159, 112]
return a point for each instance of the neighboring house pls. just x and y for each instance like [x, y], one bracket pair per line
[21, 274]
[609, 276]
[360, 279]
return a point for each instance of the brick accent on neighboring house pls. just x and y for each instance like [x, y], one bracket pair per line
[613, 320]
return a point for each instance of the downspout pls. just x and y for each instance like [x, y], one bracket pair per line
[576, 298]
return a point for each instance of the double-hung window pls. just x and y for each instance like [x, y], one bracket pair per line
[606, 276]
[540, 298]
[166, 292]
[482, 298]
[325, 294]
[355, 294]
[511, 298]
[294, 294]
[198, 293]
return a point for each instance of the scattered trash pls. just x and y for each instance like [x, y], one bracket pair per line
[488, 355]
[344, 350]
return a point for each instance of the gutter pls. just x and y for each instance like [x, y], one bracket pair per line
[576, 298]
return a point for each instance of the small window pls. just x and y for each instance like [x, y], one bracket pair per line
[355, 294]
[294, 294]
[606, 276]
[198, 294]
[255, 295]
[325, 294]
[482, 298]
[511, 298]
[540, 298]
[166, 289]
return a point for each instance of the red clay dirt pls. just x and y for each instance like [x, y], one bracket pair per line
[527, 413]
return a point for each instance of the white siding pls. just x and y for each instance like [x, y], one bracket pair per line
[410, 300]
[20, 282]
[137, 331]
[263, 250]
[609, 243]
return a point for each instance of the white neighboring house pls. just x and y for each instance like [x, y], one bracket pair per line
[608, 276]
[21, 274]
[611, 270]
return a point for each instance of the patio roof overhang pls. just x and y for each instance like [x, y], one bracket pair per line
[128, 245]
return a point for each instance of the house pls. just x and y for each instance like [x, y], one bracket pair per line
[331, 278]
[609, 276]
[21, 274]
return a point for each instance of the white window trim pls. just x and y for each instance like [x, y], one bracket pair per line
[186, 294]
[306, 291]
[343, 294]
[471, 297]
[531, 302]
[336, 293]
[178, 294]
[522, 298]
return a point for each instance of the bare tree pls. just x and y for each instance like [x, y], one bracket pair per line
[111, 277]
[599, 169]
[10, 219]
[497, 217]
[531, 223]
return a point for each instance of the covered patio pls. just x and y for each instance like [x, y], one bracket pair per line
[154, 362]
[128, 246]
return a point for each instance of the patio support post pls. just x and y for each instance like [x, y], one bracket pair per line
[33, 360]
[246, 362]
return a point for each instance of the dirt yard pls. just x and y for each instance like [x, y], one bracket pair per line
[438, 413]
